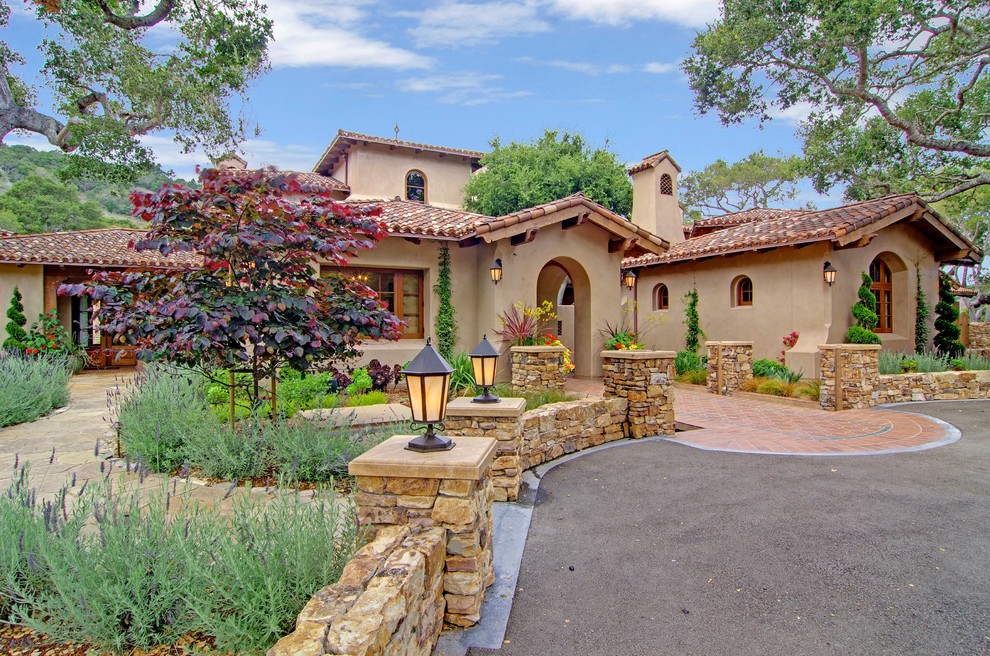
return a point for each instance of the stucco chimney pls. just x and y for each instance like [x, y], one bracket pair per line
[655, 205]
[231, 161]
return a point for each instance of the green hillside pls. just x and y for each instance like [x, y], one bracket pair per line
[33, 198]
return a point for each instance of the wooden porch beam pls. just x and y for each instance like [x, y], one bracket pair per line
[470, 241]
[621, 245]
[523, 238]
[574, 222]
[859, 243]
[414, 240]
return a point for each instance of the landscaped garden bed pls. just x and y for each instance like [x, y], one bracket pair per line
[31, 387]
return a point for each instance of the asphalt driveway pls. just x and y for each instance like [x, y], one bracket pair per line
[660, 548]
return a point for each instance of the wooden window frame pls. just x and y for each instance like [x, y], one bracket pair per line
[741, 284]
[883, 289]
[408, 186]
[399, 292]
[661, 302]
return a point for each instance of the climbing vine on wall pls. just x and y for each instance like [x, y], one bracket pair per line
[446, 322]
[946, 331]
[922, 310]
[692, 340]
[864, 313]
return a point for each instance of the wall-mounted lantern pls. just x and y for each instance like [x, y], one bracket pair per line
[484, 359]
[496, 270]
[629, 279]
[829, 273]
[428, 380]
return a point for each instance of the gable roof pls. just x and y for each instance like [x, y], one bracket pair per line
[405, 218]
[109, 247]
[845, 226]
[344, 141]
[652, 161]
[704, 226]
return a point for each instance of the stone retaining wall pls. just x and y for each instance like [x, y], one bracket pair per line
[389, 600]
[941, 386]
[979, 339]
[537, 368]
[850, 376]
[560, 428]
[730, 364]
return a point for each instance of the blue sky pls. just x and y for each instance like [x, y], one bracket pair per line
[459, 73]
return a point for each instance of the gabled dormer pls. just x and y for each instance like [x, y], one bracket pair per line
[374, 167]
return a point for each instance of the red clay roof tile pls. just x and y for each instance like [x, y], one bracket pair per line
[105, 247]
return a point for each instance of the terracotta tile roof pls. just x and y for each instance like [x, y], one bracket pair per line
[343, 140]
[653, 160]
[315, 181]
[965, 292]
[704, 226]
[6, 233]
[793, 229]
[405, 217]
[102, 247]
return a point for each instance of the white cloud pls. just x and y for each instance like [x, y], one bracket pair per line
[795, 114]
[689, 13]
[660, 67]
[20, 138]
[454, 24]
[257, 152]
[462, 88]
[589, 68]
[323, 34]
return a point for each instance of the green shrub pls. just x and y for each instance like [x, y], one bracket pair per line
[546, 397]
[764, 368]
[368, 398]
[230, 453]
[694, 377]
[686, 361]
[972, 362]
[159, 410]
[462, 379]
[811, 389]
[860, 335]
[128, 571]
[946, 330]
[360, 382]
[774, 386]
[16, 335]
[31, 387]
[909, 366]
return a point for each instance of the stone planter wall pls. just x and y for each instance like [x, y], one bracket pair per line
[979, 339]
[537, 368]
[389, 600]
[730, 364]
[941, 386]
[645, 380]
[850, 376]
[560, 428]
[500, 421]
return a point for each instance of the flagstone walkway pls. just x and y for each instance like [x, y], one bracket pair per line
[726, 423]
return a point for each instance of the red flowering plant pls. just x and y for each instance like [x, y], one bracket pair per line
[789, 341]
[549, 339]
[49, 337]
[243, 292]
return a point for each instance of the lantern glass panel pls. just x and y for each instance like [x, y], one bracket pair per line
[428, 397]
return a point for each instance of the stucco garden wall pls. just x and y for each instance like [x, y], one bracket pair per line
[30, 280]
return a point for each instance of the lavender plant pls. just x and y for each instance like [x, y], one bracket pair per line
[31, 387]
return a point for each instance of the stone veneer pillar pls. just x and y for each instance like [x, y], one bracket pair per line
[500, 421]
[537, 368]
[979, 339]
[850, 376]
[451, 489]
[730, 364]
[645, 379]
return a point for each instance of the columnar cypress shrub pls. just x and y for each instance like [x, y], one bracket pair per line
[946, 331]
[446, 322]
[692, 340]
[15, 327]
[865, 314]
[921, 313]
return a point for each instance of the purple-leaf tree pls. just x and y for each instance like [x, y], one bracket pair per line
[256, 301]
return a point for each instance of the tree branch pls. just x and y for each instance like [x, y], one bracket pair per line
[133, 22]
[972, 183]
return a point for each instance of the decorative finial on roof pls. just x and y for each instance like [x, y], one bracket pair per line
[396, 130]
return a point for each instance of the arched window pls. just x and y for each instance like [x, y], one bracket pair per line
[883, 289]
[661, 297]
[742, 292]
[666, 185]
[416, 186]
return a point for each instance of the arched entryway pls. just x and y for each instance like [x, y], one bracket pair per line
[564, 283]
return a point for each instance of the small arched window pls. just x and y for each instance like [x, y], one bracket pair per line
[883, 289]
[666, 185]
[743, 292]
[661, 297]
[416, 186]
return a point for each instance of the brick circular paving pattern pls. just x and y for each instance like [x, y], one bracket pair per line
[752, 425]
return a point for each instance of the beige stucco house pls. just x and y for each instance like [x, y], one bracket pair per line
[758, 273]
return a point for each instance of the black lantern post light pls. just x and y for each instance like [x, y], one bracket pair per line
[484, 358]
[428, 381]
[629, 279]
[496, 270]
